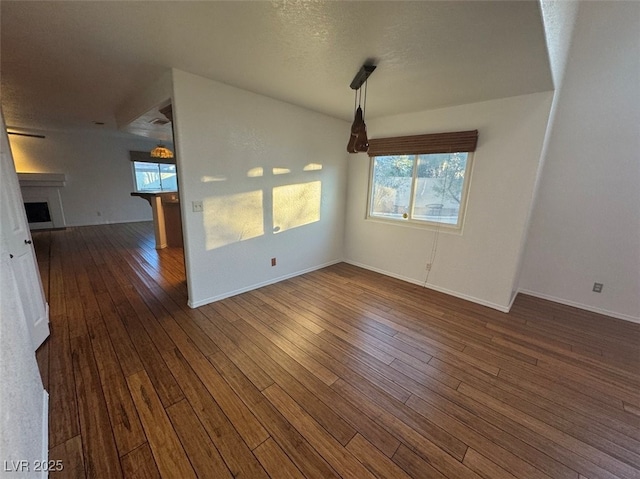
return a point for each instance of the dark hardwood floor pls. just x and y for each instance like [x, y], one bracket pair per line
[337, 373]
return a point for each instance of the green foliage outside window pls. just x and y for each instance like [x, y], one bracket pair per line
[427, 188]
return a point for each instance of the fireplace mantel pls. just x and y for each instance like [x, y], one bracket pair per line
[52, 180]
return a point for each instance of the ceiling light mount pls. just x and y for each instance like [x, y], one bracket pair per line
[362, 76]
[358, 141]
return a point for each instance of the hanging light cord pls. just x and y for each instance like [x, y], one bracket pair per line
[436, 235]
[364, 109]
[355, 101]
[434, 250]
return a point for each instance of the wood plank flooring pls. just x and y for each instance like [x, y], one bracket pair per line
[338, 373]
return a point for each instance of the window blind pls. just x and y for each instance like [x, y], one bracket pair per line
[453, 142]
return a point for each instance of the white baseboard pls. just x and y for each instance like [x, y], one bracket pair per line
[482, 302]
[45, 430]
[117, 222]
[575, 304]
[513, 300]
[213, 299]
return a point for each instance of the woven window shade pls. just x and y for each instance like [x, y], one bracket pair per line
[453, 142]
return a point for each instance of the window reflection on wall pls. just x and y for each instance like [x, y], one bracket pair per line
[233, 218]
[296, 205]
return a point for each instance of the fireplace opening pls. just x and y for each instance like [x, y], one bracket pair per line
[37, 212]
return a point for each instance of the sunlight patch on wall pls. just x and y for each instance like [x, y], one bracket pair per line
[296, 205]
[255, 172]
[233, 218]
[281, 171]
[210, 179]
[312, 167]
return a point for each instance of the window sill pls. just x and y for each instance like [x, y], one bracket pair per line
[412, 224]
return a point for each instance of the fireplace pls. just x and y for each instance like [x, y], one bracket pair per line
[42, 200]
[38, 212]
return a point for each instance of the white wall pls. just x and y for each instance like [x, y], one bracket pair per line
[99, 177]
[586, 223]
[481, 263]
[559, 17]
[272, 178]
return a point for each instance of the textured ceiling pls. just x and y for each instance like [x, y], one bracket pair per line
[67, 64]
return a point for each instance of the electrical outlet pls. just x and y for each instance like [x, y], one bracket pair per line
[273, 261]
[428, 267]
[197, 206]
[597, 287]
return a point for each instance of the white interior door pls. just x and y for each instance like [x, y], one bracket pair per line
[16, 243]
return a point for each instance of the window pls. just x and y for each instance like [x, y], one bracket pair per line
[421, 179]
[154, 176]
[425, 188]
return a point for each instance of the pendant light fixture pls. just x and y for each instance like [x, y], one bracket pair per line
[358, 141]
[161, 151]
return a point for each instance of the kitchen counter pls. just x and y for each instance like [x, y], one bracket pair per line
[167, 220]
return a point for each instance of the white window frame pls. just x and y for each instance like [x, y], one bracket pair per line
[157, 163]
[416, 222]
